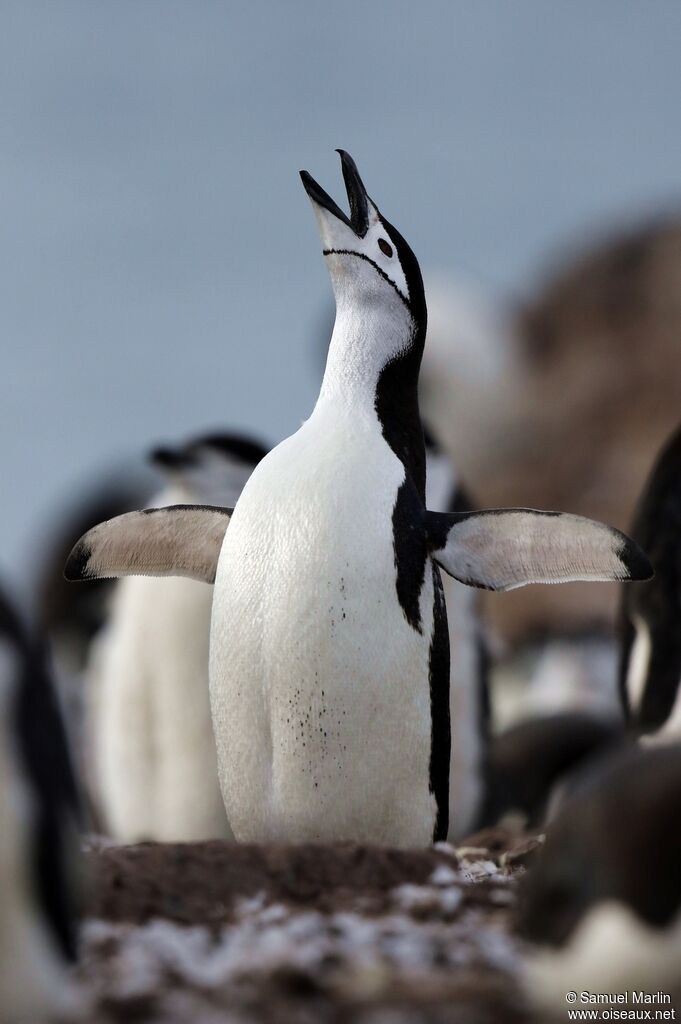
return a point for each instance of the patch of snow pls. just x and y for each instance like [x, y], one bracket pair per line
[477, 870]
[446, 848]
[443, 876]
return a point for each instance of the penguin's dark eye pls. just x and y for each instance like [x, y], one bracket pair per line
[386, 249]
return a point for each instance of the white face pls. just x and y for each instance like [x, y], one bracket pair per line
[380, 304]
[362, 255]
[348, 255]
[215, 478]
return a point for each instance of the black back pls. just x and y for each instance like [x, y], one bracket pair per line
[45, 762]
[397, 403]
[397, 408]
[459, 500]
[657, 528]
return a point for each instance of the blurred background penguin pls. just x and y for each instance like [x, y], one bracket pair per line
[41, 869]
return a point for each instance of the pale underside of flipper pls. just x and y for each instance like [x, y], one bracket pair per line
[178, 540]
[502, 549]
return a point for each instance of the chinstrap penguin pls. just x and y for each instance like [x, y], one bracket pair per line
[650, 653]
[39, 825]
[329, 659]
[150, 740]
[603, 901]
[69, 618]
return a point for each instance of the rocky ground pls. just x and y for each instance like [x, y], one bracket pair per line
[213, 933]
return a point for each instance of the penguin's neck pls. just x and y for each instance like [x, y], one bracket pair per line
[372, 369]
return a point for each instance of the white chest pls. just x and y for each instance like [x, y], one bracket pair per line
[321, 702]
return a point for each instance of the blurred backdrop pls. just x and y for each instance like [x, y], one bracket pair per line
[160, 271]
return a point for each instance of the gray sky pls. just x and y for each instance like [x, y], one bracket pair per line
[160, 269]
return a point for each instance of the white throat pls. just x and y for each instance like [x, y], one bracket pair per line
[364, 340]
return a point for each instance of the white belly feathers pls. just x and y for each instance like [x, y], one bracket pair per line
[322, 708]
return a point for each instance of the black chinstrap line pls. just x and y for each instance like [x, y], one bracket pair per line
[361, 256]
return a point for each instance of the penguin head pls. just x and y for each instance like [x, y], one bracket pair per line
[213, 467]
[368, 259]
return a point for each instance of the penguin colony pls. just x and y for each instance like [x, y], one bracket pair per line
[332, 683]
[328, 572]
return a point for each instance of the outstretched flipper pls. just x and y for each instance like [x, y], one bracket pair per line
[178, 540]
[505, 548]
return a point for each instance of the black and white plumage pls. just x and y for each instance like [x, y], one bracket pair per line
[603, 901]
[71, 616]
[331, 712]
[39, 821]
[650, 656]
[469, 694]
[532, 763]
[152, 760]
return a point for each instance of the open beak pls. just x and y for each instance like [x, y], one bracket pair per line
[358, 221]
